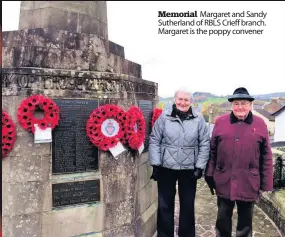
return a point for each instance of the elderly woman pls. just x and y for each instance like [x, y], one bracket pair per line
[179, 148]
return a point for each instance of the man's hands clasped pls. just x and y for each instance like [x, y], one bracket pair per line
[211, 183]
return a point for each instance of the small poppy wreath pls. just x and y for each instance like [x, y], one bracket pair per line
[135, 127]
[105, 126]
[156, 113]
[26, 113]
[8, 134]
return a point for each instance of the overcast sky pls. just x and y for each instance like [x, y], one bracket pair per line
[216, 64]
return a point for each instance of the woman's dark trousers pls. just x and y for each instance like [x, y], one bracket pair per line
[166, 183]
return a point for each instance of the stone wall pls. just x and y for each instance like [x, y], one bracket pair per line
[61, 49]
[273, 204]
[128, 198]
[77, 16]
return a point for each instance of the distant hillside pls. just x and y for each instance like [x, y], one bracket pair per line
[198, 97]
[216, 100]
[165, 100]
[201, 96]
[206, 96]
[269, 96]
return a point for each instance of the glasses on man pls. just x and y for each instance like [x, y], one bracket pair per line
[242, 104]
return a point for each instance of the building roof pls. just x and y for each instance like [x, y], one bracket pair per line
[278, 112]
[277, 144]
[211, 128]
[263, 112]
[257, 106]
[225, 105]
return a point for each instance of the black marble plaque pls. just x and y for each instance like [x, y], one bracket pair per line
[75, 192]
[146, 107]
[72, 150]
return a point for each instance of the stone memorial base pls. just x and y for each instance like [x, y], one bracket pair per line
[42, 199]
[68, 187]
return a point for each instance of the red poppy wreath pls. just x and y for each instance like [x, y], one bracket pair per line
[156, 113]
[105, 126]
[135, 128]
[8, 134]
[26, 113]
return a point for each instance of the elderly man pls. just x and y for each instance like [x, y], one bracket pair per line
[179, 149]
[240, 166]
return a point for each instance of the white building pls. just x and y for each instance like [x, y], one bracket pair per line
[279, 125]
[211, 128]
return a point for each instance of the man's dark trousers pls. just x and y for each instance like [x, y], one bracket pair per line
[224, 218]
[166, 182]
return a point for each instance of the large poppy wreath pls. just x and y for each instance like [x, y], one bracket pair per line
[156, 113]
[8, 134]
[105, 126]
[135, 127]
[26, 113]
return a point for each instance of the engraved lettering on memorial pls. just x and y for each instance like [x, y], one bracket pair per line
[32, 80]
[62, 83]
[103, 85]
[151, 90]
[122, 87]
[96, 84]
[67, 83]
[129, 86]
[6, 80]
[143, 88]
[115, 86]
[22, 81]
[90, 84]
[79, 83]
[72, 82]
[125, 86]
[47, 82]
[72, 149]
[137, 87]
[110, 86]
[75, 192]
[56, 82]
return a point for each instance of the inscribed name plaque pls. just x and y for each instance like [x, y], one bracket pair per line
[75, 192]
[146, 107]
[72, 150]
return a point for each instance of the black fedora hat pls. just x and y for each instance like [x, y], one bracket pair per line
[240, 94]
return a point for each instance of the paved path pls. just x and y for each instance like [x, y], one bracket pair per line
[206, 211]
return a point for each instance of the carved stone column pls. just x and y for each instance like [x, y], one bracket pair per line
[62, 51]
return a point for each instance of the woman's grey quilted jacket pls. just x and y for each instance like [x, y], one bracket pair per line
[179, 145]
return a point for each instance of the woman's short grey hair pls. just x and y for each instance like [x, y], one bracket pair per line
[184, 91]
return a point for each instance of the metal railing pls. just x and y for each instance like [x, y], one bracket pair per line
[279, 174]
